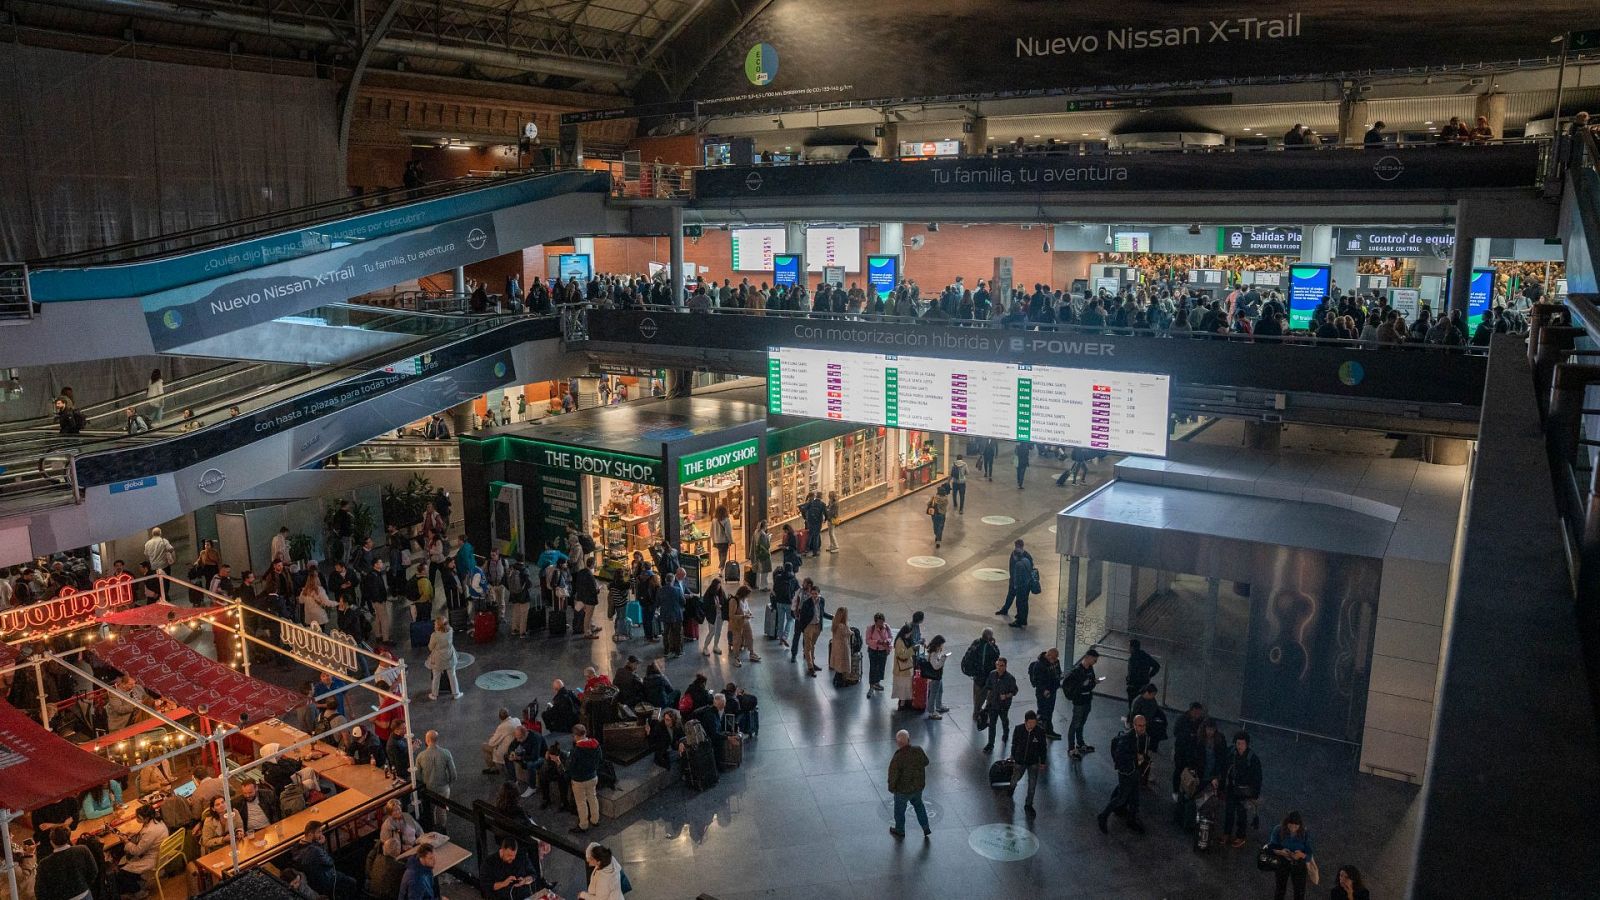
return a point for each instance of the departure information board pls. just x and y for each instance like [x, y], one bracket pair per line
[1121, 412]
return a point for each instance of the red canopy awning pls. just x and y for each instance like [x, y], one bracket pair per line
[163, 664]
[159, 614]
[37, 768]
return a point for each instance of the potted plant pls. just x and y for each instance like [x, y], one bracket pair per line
[403, 506]
[301, 547]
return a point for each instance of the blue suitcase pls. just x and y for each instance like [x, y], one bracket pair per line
[420, 632]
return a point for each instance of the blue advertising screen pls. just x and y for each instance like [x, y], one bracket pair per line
[883, 273]
[575, 265]
[785, 269]
[1479, 296]
[1308, 285]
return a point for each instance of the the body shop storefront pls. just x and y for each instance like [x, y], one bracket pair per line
[862, 467]
[629, 476]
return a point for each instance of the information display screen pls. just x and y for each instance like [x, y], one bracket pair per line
[785, 270]
[883, 273]
[1308, 285]
[1120, 412]
[833, 247]
[1478, 297]
[1205, 276]
[1131, 242]
[753, 248]
[575, 265]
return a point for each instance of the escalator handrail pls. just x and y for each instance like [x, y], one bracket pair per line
[353, 205]
[133, 398]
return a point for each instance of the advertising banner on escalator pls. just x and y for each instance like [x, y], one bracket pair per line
[808, 52]
[187, 314]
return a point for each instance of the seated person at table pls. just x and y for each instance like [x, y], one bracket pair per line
[564, 709]
[279, 772]
[396, 752]
[330, 721]
[327, 684]
[658, 691]
[551, 779]
[527, 751]
[219, 825]
[509, 874]
[666, 733]
[258, 808]
[101, 801]
[361, 746]
[398, 825]
[155, 777]
[139, 851]
[385, 869]
[69, 872]
[207, 786]
[61, 814]
[630, 688]
[419, 882]
[296, 880]
[121, 713]
[313, 858]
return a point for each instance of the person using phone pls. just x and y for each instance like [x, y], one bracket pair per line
[1078, 687]
[509, 874]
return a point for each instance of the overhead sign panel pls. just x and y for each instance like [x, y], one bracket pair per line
[1394, 241]
[1260, 240]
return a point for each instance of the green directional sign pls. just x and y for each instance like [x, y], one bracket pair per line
[1024, 409]
[1580, 41]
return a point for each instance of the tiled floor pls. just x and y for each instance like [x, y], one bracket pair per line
[808, 813]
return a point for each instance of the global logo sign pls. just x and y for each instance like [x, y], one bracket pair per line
[476, 239]
[647, 328]
[1388, 168]
[761, 64]
[172, 319]
[212, 481]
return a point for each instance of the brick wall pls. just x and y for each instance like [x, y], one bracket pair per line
[970, 251]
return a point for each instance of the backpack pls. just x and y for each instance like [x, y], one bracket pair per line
[291, 799]
[586, 541]
[413, 592]
[693, 732]
[972, 660]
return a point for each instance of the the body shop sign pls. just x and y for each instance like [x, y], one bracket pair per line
[604, 463]
[1259, 240]
[704, 464]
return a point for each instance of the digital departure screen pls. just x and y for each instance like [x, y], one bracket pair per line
[1308, 286]
[1120, 412]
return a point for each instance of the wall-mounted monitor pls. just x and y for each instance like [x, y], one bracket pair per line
[575, 265]
[883, 273]
[1308, 286]
[785, 270]
[1120, 412]
[833, 247]
[753, 248]
[1130, 242]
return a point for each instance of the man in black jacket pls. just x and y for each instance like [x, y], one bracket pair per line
[1044, 674]
[1130, 754]
[814, 511]
[1186, 744]
[1029, 752]
[1241, 783]
[1078, 688]
[998, 690]
[1142, 669]
[68, 871]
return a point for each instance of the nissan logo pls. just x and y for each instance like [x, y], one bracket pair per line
[476, 239]
[1388, 168]
[753, 181]
[647, 327]
[212, 481]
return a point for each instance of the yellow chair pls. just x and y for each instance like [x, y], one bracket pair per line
[172, 851]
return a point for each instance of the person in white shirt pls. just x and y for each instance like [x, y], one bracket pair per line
[499, 743]
[605, 881]
[140, 851]
[280, 546]
[159, 554]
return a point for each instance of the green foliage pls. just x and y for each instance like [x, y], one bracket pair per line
[403, 507]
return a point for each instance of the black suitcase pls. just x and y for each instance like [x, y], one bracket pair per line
[461, 618]
[770, 625]
[557, 622]
[700, 767]
[536, 619]
[1000, 773]
[577, 622]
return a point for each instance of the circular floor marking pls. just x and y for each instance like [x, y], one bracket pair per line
[926, 562]
[464, 660]
[1003, 843]
[990, 574]
[935, 813]
[501, 680]
[999, 520]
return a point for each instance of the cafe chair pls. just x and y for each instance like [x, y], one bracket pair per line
[172, 851]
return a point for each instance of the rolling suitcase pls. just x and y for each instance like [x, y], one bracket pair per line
[1000, 774]
[577, 621]
[460, 618]
[700, 766]
[557, 622]
[919, 691]
[1202, 834]
[769, 622]
[536, 619]
[485, 626]
[420, 630]
[732, 751]
[855, 656]
[634, 613]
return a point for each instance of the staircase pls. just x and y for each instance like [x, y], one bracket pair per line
[14, 303]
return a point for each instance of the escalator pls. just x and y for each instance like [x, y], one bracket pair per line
[175, 293]
[71, 490]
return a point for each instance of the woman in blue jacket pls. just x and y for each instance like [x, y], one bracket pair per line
[1292, 845]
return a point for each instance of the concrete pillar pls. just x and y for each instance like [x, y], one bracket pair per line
[976, 141]
[1493, 108]
[1318, 244]
[794, 235]
[1461, 263]
[675, 262]
[1443, 451]
[459, 280]
[1263, 436]
[460, 418]
[891, 241]
[1352, 121]
[889, 140]
[583, 245]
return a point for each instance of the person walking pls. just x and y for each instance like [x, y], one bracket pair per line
[1078, 687]
[741, 633]
[958, 484]
[158, 552]
[722, 534]
[1045, 675]
[1029, 753]
[1130, 755]
[715, 609]
[442, 658]
[761, 555]
[1019, 579]
[977, 662]
[1241, 787]
[998, 690]
[1022, 451]
[878, 641]
[436, 771]
[991, 448]
[1291, 844]
[1142, 669]
[938, 508]
[908, 777]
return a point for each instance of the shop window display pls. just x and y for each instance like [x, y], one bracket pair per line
[698, 504]
[628, 517]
